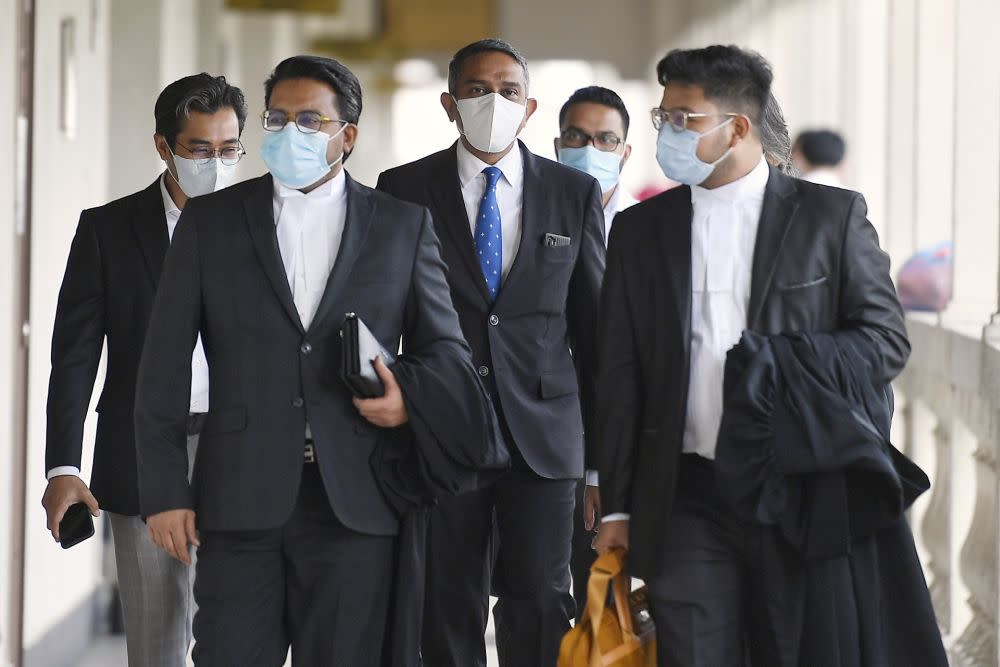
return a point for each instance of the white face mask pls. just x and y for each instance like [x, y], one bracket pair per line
[491, 122]
[198, 177]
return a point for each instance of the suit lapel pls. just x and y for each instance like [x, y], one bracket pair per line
[776, 217]
[150, 225]
[532, 213]
[446, 194]
[259, 209]
[360, 210]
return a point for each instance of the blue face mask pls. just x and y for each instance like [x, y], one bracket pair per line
[297, 159]
[602, 165]
[677, 153]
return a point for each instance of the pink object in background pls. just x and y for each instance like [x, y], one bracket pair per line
[924, 281]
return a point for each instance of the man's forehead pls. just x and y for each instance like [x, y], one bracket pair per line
[594, 117]
[493, 65]
[295, 94]
[686, 96]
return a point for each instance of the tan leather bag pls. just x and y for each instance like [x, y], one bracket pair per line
[621, 635]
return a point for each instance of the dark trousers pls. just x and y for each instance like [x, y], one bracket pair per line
[583, 555]
[531, 576]
[707, 602]
[313, 584]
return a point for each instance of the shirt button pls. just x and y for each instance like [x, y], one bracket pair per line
[297, 402]
[306, 348]
[494, 320]
[484, 371]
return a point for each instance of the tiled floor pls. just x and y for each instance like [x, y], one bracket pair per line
[110, 652]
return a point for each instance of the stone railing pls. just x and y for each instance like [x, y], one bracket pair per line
[948, 416]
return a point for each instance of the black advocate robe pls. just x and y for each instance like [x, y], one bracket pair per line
[804, 447]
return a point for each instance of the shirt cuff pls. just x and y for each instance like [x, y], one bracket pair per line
[62, 470]
[592, 478]
[619, 516]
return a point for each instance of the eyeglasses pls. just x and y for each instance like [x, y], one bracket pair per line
[678, 118]
[308, 122]
[605, 141]
[229, 155]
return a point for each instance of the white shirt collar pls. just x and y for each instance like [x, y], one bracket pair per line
[511, 164]
[169, 207]
[620, 200]
[331, 191]
[750, 187]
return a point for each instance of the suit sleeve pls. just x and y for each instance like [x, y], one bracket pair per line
[431, 323]
[163, 393]
[77, 341]
[582, 309]
[618, 395]
[868, 300]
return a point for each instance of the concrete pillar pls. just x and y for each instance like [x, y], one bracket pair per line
[976, 210]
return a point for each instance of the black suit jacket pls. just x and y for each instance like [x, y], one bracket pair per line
[817, 267]
[224, 277]
[107, 292]
[546, 306]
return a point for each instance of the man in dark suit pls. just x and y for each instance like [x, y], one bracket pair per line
[740, 247]
[297, 542]
[107, 293]
[523, 240]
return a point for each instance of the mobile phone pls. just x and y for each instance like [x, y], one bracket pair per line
[77, 525]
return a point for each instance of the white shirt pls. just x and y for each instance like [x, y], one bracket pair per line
[824, 176]
[510, 189]
[723, 237]
[310, 228]
[199, 365]
[620, 200]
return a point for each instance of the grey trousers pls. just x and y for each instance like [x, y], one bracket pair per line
[155, 589]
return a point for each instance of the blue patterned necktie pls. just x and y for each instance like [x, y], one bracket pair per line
[489, 241]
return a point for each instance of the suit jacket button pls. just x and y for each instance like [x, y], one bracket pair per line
[484, 371]
[306, 348]
[494, 320]
[297, 402]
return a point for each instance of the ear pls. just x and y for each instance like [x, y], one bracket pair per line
[160, 144]
[627, 154]
[555, 146]
[450, 108]
[741, 127]
[529, 109]
[350, 137]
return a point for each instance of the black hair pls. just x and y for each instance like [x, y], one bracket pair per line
[474, 49]
[325, 70]
[596, 95]
[203, 93]
[821, 148]
[774, 136]
[738, 78]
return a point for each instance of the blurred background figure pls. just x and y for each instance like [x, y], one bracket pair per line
[818, 155]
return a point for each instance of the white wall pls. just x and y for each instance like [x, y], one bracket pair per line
[8, 327]
[69, 174]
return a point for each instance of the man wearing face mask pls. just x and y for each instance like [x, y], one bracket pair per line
[523, 240]
[740, 246]
[297, 537]
[593, 127]
[107, 293]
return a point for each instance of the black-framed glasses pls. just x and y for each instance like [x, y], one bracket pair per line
[307, 122]
[607, 142]
[229, 155]
[678, 119]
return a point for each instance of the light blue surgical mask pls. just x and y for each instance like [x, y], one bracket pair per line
[677, 153]
[297, 159]
[605, 166]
